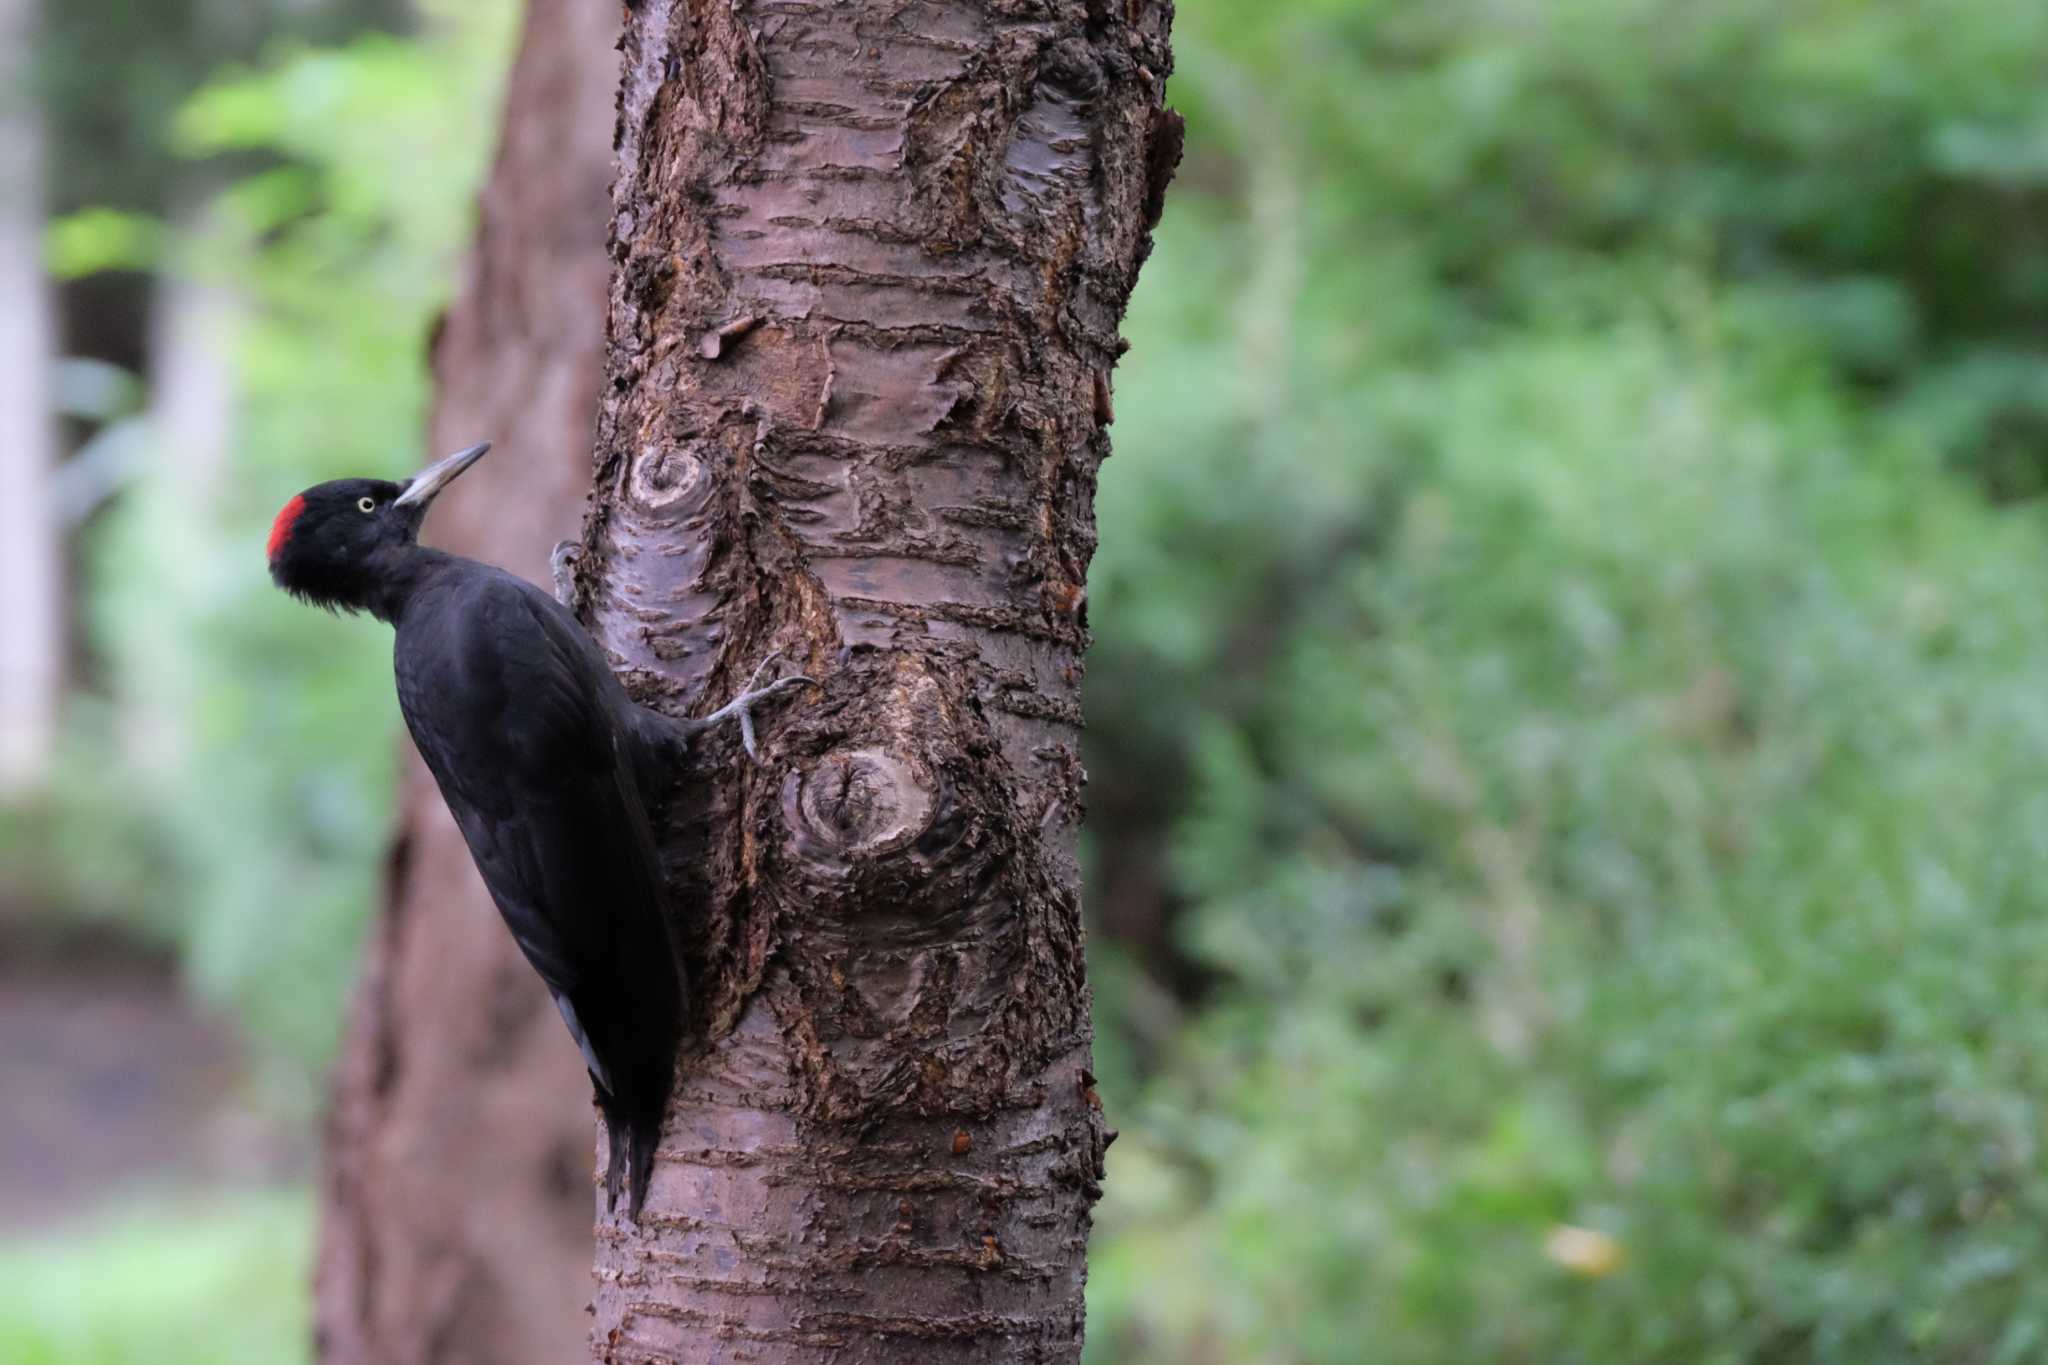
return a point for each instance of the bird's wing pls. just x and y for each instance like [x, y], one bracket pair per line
[517, 716]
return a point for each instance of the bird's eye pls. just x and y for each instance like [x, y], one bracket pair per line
[366, 504]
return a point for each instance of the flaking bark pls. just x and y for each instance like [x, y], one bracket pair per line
[869, 259]
[455, 1199]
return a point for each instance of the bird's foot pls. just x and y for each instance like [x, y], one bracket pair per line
[566, 556]
[751, 696]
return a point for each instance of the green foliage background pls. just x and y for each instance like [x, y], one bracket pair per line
[1566, 731]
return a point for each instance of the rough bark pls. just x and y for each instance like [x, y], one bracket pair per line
[870, 257]
[456, 1196]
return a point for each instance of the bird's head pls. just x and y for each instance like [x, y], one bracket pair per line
[342, 545]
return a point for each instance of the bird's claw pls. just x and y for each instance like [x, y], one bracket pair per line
[760, 695]
[759, 668]
[563, 560]
[751, 696]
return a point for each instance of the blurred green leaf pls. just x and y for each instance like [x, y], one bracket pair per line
[232, 112]
[91, 240]
[1567, 615]
[189, 1283]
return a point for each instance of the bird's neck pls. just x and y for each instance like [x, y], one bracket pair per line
[397, 573]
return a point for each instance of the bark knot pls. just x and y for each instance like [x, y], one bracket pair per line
[865, 802]
[662, 476]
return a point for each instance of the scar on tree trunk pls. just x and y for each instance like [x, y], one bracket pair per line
[869, 261]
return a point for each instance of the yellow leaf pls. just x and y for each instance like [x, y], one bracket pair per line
[1583, 1251]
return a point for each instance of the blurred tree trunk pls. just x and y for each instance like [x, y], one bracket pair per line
[31, 578]
[456, 1198]
[870, 260]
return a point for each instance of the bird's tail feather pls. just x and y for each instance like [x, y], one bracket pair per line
[632, 1142]
[642, 1137]
[615, 1164]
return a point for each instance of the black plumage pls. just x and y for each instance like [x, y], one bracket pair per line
[542, 758]
[526, 732]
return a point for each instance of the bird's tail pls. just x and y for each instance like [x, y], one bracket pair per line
[632, 1139]
[615, 1164]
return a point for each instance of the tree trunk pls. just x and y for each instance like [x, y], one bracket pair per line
[31, 560]
[869, 261]
[456, 1198]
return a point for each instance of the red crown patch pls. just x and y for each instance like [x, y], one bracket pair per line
[282, 527]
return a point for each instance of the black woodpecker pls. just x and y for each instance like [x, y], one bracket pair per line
[546, 764]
